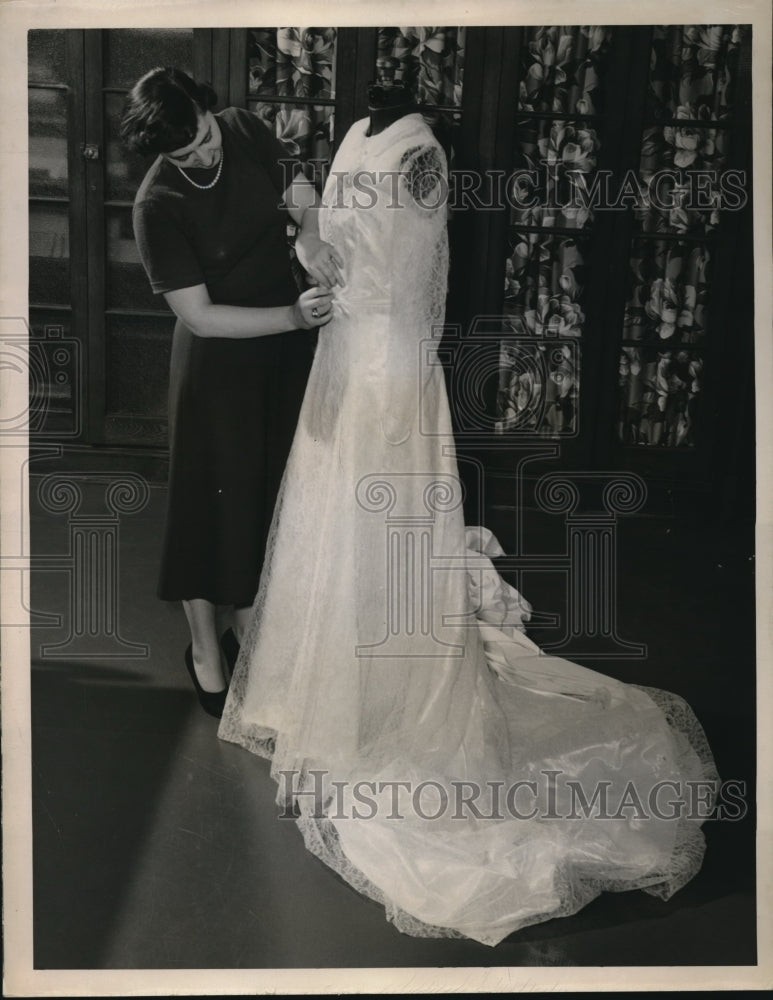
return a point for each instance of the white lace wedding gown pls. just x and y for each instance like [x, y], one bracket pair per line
[385, 649]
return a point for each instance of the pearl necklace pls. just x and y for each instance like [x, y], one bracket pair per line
[206, 187]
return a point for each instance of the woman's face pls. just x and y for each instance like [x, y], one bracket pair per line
[206, 148]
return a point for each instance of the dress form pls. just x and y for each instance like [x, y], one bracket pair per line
[388, 99]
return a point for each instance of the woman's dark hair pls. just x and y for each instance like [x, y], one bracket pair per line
[161, 111]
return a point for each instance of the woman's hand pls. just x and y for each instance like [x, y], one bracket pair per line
[314, 307]
[320, 260]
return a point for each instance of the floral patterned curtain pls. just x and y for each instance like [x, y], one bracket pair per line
[692, 87]
[545, 282]
[292, 62]
[559, 132]
[668, 292]
[666, 205]
[431, 61]
[694, 68]
[659, 396]
[693, 73]
[561, 75]
[292, 86]
[553, 159]
[562, 69]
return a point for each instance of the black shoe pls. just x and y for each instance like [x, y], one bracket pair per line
[230, 648]
[212, 702]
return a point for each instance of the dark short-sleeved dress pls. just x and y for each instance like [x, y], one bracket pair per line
[233, 403]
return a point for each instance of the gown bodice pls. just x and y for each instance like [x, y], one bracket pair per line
[390, 231]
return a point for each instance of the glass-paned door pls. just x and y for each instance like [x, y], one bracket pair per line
[130, 328]
[56, 243]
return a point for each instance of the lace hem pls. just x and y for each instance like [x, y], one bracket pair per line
[573, 887]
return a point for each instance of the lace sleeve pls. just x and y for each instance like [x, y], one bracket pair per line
[424, 175]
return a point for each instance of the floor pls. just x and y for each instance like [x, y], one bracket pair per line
[158, 846]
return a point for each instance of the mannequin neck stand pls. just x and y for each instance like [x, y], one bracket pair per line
[382, 117]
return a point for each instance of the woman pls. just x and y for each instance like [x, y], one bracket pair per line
[211, 228]
[433, 754]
